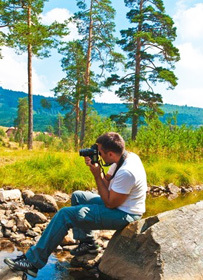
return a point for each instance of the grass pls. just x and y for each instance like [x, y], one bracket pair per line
[43, 171]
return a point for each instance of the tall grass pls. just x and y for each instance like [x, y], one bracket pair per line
[44, 171]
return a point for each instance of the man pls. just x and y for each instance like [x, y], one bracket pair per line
[121, 200]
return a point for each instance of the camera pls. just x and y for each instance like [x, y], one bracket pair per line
[92, 153]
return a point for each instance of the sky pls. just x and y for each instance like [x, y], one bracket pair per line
[188, 18]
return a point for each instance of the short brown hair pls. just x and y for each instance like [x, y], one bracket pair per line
[111, 141]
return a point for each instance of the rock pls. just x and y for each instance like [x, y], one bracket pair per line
[173, 189]
[43, 202]
[6, 244]
[35, 217]
[68, 240]
[27, 194]
[6, 195]
[23, 225]
[168, 246]
[61, 197]
[7, 274]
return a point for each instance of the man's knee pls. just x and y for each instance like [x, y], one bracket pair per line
[75, 198]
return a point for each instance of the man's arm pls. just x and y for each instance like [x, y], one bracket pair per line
[111, 199]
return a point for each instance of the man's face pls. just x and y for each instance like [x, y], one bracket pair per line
[107, 157]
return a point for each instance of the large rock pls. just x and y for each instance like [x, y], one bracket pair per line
[168, 246]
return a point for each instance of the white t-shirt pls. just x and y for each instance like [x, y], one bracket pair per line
[130, 179]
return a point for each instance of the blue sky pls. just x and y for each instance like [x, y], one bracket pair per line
[188, 18]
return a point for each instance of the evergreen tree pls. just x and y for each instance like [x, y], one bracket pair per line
[150, 58]
[71, 89]
[21, 122]
[28, 34]
[96, 25]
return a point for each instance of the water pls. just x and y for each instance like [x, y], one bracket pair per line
[54, 270]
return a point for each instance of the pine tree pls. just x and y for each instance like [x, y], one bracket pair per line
[70, 90]
[96, 25]
[28, 34]
[150, 58]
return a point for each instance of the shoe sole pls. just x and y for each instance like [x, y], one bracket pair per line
[93, 251]
[12, 267]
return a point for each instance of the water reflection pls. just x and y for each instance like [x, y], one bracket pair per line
[54, 270]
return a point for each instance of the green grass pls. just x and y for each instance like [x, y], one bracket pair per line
[45, 172]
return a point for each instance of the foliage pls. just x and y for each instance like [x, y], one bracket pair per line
[21, 122]
[150, 59]
[157, 140]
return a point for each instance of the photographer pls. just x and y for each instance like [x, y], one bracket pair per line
[121, 200]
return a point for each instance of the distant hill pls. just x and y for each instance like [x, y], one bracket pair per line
[43, 117]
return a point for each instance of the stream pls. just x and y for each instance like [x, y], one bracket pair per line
[55, 269]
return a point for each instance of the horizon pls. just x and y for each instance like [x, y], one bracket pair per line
[54, 97]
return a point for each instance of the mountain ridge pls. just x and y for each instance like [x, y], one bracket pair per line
[43, 117]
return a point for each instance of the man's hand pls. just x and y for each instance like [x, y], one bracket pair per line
[95, 168]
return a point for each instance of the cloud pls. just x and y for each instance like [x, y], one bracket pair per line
[189, 23]
[60, 15]
[13, 73]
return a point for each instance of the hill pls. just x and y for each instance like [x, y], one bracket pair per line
[43, 117]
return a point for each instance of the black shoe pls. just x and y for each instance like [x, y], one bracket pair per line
[85, 248]
[21, 263]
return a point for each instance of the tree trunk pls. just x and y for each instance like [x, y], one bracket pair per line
[87, 77]
[30, 97]
[135, 117]
[77, 120]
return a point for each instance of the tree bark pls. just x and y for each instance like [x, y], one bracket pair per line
[87, 77]
[30, 96]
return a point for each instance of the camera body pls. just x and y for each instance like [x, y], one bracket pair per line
[92, 153]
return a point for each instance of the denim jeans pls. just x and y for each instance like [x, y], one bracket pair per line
[87, 213]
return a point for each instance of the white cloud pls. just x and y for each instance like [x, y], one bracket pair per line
[60, 15]
[107, 97]
[13, 73]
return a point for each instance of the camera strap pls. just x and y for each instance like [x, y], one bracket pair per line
[120, 163]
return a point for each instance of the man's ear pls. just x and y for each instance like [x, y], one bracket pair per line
[110, 154]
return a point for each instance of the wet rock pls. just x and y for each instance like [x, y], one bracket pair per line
[7, 274]
[5, 244]
[173, 189]
[35, 217]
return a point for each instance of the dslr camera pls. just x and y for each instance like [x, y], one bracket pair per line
[92, 153]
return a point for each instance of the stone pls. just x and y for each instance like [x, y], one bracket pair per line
[23, 225]
[173, 189]
[61, 197]
[167, 246]
[43, 202]
[7, 274]
[35, 217]
[6, 195]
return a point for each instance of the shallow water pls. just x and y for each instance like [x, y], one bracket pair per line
[54, 270]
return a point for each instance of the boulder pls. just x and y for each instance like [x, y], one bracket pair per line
[168, 246]
[43, 202]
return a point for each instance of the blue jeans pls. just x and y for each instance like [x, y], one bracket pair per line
[87, 213]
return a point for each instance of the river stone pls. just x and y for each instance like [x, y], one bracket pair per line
[6, 195]
[35, 217]
[7, 274]
[43, 202]
[168, 246]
